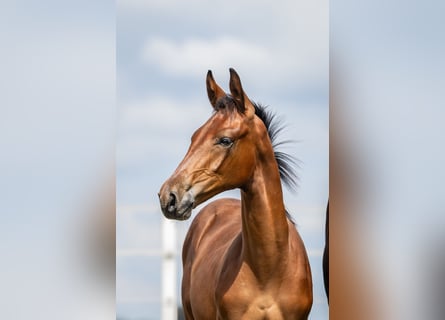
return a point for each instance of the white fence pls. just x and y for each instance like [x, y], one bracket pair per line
[166, 249]
[165, 237]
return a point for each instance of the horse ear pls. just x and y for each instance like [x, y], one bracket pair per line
[213, 90]
[236, 89]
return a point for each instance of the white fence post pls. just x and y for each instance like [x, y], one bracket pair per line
[169, 303]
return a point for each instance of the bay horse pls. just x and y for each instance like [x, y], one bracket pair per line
[242, 259]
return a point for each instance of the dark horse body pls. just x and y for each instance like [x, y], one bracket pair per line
[326, 255]
[242, 259]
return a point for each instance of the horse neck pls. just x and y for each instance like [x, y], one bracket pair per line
[264, 222]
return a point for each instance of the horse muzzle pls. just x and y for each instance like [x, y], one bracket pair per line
[175, 205]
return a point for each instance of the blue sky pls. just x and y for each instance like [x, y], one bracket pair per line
[164, 49]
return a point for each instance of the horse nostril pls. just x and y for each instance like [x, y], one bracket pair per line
[171, 205]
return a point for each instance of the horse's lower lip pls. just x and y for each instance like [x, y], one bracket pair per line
[185, 213]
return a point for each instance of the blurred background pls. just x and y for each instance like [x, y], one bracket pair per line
[60, 130]
[164, 49]
[386, 159]
[57, 142]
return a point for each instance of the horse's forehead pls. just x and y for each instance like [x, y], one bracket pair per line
[219, 121]
[223, 119]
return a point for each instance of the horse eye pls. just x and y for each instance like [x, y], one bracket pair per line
[225, 142]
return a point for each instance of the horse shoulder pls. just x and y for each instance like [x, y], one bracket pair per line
[297, 285]
[211, 233]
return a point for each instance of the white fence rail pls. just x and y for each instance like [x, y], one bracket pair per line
[170, 234]
[168, 252]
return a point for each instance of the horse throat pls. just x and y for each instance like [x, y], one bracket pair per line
[265, 229]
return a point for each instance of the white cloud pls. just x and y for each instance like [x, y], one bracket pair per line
[298, 62]
[283, 44]
[193, 55]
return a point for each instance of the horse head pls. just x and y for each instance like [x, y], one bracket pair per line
[222, 154]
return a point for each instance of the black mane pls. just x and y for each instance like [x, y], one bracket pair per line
[286, 162]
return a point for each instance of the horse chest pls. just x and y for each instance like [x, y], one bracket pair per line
[249, 305]
[244, 299]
